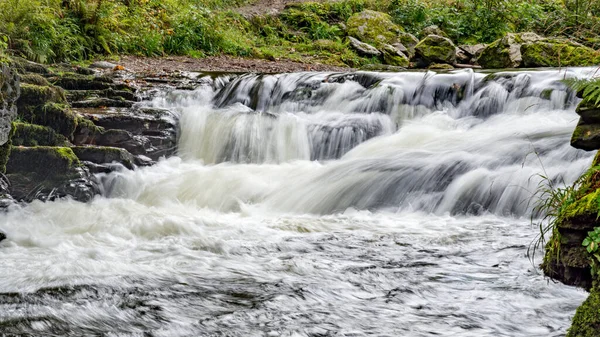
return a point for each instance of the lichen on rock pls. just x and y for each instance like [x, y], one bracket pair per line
[557, 53]
[375, 28]
[436, 49]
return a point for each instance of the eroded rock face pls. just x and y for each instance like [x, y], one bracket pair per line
[436, 49]
[373, 27]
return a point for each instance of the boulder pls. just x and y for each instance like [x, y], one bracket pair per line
[589, 113]
[363, 49]
[506, 52]
[432, 30]
[440, 66]
[557, 53]
[45, 173]
[409, 42]
[373, 27]
[436, 49]
[393, 56]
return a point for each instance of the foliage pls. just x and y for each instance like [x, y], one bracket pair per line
[588, 89]
[591, 243]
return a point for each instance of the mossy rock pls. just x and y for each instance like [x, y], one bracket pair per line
[436, 49]
[26, 134]
[589, 113]
[26, 66]
[59, 117]
[104, 154]
[74, 81]
[586, 136]
[506, 52]
[440, 66]
[409, 41]
[558, 53]
[36, 79]
[35, 95]
[373, 27]
[394, 57]
[586, 322]
[432, 30]
[4, 155]
[47, 161]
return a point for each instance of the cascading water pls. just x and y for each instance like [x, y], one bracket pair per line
[313, 204]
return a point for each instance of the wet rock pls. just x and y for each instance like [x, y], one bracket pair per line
[506, 52]
[82, 95]
[382, 67]
[103, 65]
[73, 81]
[47, 173]
[26, 134]
[104, 155]
[393, 56]
[436, 49]
[103, 102]
[2, 236]
[463, 57]
[25, 66]
[590, 113]
[33, 96]
[57, 116]
[586, 136]
[440, 66]
[362, 48]
[373, 27]
[473, 50]
[557, 53]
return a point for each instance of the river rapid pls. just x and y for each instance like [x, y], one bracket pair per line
[313, 204]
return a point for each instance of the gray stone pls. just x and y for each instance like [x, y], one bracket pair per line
[362, 48]
[103, 65]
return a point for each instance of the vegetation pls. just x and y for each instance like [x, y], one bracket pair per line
[68, 30]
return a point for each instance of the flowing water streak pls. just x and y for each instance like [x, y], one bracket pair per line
[312, 204]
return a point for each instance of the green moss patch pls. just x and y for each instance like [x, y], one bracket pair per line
[556, 54]
[34, 135]
[374, 28]
[586, 322]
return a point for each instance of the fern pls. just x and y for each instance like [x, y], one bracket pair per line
[588, 89]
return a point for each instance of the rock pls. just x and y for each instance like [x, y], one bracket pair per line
[409, 42]
[590, 114]
[382, 67]
[462, 57]
[393, 56]
[436, 49]
[46, 173]
[473, 51]
[362, 48]
[2, 236]
[59, 117]
[557, 53]
[104, 155]
[73, 81]
[25, 66]
[9, 94]
[33, 96]
[35, 79]
[432, 30]
[103, 65]
[506, 52]
[26, 134]
[586, 322]
[82, 95]
[375, 28]
[103, 102]
[586, 136]
[440, 66]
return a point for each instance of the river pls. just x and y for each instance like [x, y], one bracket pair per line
[313, 204]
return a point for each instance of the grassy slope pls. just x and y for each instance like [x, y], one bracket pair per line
[68, 30]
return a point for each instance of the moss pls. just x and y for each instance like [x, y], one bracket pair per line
[59, 117]
[394, 57]
[436, 49]
[74, 81]
[35, 95]
[43, 160]
[586, 322]
[104, 154]
[373, 27]
[35, 79]
[550, 54]
[33, 135]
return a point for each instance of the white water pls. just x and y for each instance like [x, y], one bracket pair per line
[312, 205]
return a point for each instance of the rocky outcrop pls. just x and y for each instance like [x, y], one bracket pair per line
[46, 173]
[393, 56]
[9, 93]
[587, 133]
[506, 52]
[373, 27]
[435, 49]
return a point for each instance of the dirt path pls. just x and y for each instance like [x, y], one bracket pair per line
[218, 64]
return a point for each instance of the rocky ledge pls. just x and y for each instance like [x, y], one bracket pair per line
[61, 124]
